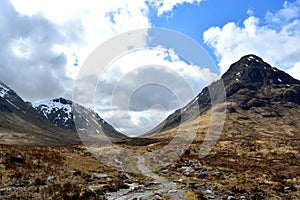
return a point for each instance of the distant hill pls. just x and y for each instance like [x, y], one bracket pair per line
[60, 113]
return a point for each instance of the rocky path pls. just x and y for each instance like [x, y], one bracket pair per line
[158, 186]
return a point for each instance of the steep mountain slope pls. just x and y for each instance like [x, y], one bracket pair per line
[21, 124]
[60, 113]
[250, 84]
[256, 153]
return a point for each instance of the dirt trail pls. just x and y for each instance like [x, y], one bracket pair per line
[162, 186]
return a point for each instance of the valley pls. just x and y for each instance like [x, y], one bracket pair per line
[255, 156]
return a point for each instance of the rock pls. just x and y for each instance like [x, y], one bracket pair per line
[208, 192]
[157, 197]
[17, 159]
[96, 189]
[231, 198]
[231, 109]
[167, 170]
[19, 183]
[75, 172]
[287, 189]
[243, 198]
[125, 176]
[243, 141]
[187, 171]
[187, 152]
[203, 175]
[192, 162]
[179, 180]
[50, 178]
[98, 176]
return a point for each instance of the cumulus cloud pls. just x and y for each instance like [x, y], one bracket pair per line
[164, 6]
[28, 63]
[145, 91]
[273, 38]
[44, 44]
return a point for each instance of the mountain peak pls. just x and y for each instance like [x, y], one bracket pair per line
[62, 101]
[252, 69]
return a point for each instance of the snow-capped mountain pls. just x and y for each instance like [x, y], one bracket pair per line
[60, 112]
[21, 124]
[3, 90]
[45, 122]
[10, 101]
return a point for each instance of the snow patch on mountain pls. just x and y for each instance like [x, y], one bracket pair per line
[3, 90]
[49, 106]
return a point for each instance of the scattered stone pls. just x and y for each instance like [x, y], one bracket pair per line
[187, 171]
[179, 180]
[192, 162]
[231, 198]
[203, 175]
[231, 109]
[17, 159]
[125, 176]
[98, 176]
[241, 141]
[19, 183]
[211, 197]
[157, 197]
[75, 172]
[50, 178]
[96, 189]
[287, 189]
[167, 170]
[186, 152]
[243, 198]
[208, 191]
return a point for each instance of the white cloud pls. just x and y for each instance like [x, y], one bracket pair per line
[47, 38]
[144, 91]
[295, 71]
[96, 21]
[164, 6]
[275, 41]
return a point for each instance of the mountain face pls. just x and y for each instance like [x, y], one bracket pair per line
[48, 122]
[257, 147]
[60, 113]
[10, 101]
[250, 84]
[21, 124]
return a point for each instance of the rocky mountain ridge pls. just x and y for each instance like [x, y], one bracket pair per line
[248, 83]
[45, 122]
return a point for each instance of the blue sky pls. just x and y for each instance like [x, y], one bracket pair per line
[44, 45]
[194, 19]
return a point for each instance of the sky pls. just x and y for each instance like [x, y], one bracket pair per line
[44, 45]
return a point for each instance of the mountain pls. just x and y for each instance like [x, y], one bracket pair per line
[60, 112]
[247, 145]
[21, 124]
[250, 84]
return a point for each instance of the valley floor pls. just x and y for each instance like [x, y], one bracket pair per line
[239, 169]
